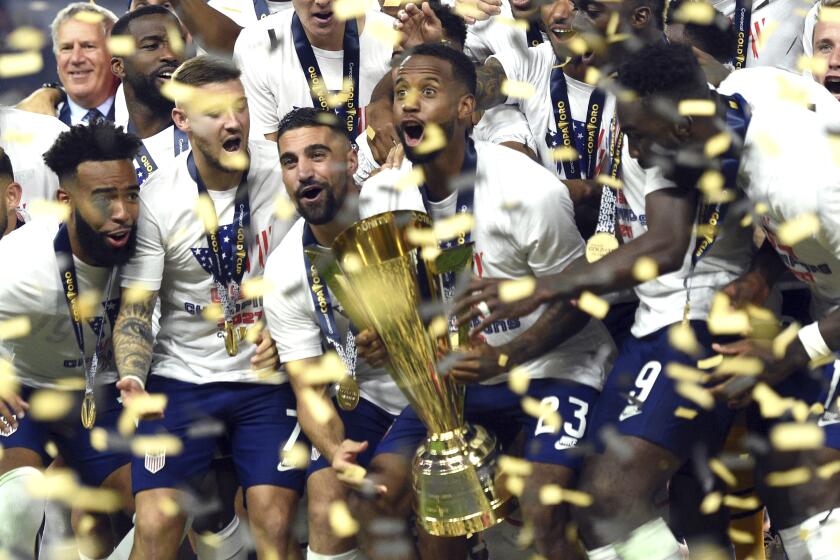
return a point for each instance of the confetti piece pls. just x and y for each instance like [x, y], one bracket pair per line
[740, 537]
[135, 294]
[737, 502]
[353, 474]
[99, 439]
[723, 320]
[612, 182]
[682, 372]
[696, 394]
[206, 211]
[828, 470]
[121, 45]
[551, 494]
[681, 337]
[593, 305]
[515, 485]
[503, 360]
[370, 133]
[238, 161]
[349, 9]
[722, 472]
[412, 180]
[767, 144]
[770, 404]
[284, 208]
[47, 405]
[518, 90]
[178, 92]
[592, 76]
[17, 327]
[612, 24]
[433, 140]
[468, 10]
[161, 443]
[687, 413]
[511, 22]
[697, 107]
[52, 449]
[792, 436]
[253, 288]
[700, 13]
[798, 229]
[710, 362]
[384, 33]
[430, 253]
[49, 208]
[565, 153]
[577, 498]
[168, 506]
[88, 16]
[322, 411]
[542, 410]
[57, 484]
[89, 303]
[830, 14]
[717, 144]
[518, 380]
[792, 477]
[438, 327]
[645, 268]
[342, 523]
[711, 503]
[577, 45]
[515, 290]
[711, 182]
[783, 340]
[740, 365]
[101, 500]
[26, 38]
[454, 226]
[515, 466]
[176, 41]
[213, 313]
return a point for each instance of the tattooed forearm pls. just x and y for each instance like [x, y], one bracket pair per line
[133, 336]
[557, 324]
[491, 75]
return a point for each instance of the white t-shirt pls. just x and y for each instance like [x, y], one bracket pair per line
[171, 257]
[775, 23]
[294, 326]
[538, 237]
[26, 136]
[274, 81]
[534, 67]
[495, 35]
[31, 286]
[242, 11]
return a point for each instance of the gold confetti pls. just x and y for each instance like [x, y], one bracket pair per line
[696, 394]
[710, 362]
[515, 466]
[297, 456]
[238, 160]
[723, 473]
[213, 313]
[57, 484]
[438, 327]
[830, 14]
[783, 340]
[88, 16]
[515, 485]
[327, 369]
[26, 38]
[792, 477]
[612, 182]
[179, 93]
[370, 133]
[168, 506]
[770, 404]
[342, 522]
[565, 153]
[52, 449]
[717, 144]
[767, 144]
[511, 22]
[828, 470]
[577, 45]
[99, 439]
[592, 76]
[384, 33]
[593, 305]
[503, 360]
[740, 365]
[737, 502]
[253, 288]
[697, 107]
[284, 208]
[645, 268]
[433, 140]
[518, 380]
[206, 211]
[161, 443]
[515, 290]
[86, 524]
[723, 320]
[411, 180]
[686, 413]
[518, 90]
[798, 229]
[430, 253]
[17, 327]
[454, 226]
[711, 182]
[551, 494]
[121, 45]
[577, 498]
[612, 24]
[542, 410]
[101, 500]
[681, 337]
[740, 537]
[52, 208]
[135, 294]
[48, 405]
[173, 35]
[711, 503]
[316, 405]
[793, 436]
[700, 13]
[682, 372]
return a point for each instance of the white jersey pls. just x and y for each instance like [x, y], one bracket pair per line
[173, 258]
[504, 123]
[31, 286]
[274, 81]
[244, 13]
[498, 34]
[294, 326]
[25, 137]
[524, 227]
[775, 30]
[534, 66]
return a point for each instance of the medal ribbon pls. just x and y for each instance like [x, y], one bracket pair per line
[144, 159]
[606, 210]
[564, 125]
[534, 35]
[228, 291]
[70, 285]
[261, 9]
[743, 20]
[347, 111]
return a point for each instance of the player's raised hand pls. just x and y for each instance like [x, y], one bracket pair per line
[481, 301]
[419, 25]
[477, 10]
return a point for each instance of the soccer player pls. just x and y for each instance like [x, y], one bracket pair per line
[822, 41]
[318, 163]
[10, 195]
[67, 349]
[564, 351]
[283, 54]
[206, 366]
[143, 72]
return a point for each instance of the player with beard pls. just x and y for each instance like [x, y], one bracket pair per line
[67, 347]
[10, 195]
[143, 72]
[318, 163]
[208, 368]
[564, 351]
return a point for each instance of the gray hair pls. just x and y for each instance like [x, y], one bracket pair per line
[108, 18]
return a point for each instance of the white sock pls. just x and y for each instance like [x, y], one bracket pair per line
[21, 514]
[123, 549]
[652, 541]
[604, 553]
[795, 547]
[822, 534]
[349, 555]
[227, 544]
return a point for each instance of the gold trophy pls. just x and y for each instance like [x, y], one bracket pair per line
[380, 280]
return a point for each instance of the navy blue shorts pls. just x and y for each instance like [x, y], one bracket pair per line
[639, 398]
[367, 422]
[71, 438]
[259, 420]
[499, 410]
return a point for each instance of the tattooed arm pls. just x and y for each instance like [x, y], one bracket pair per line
[133, 342]
[491, 75]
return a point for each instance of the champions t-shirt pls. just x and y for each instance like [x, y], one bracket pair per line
[173, 258]
[524, 227]
[294, 326]
[31, 287]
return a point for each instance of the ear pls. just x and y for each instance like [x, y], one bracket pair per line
[117, 67]
[63, 195]
[466, 107]
[682, 129]
[352, 161]
[179, 117]
[642, 17]
[14, 193]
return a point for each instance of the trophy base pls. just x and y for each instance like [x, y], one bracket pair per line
[458, 488]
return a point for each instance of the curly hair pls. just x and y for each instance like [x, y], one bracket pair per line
[98, 141]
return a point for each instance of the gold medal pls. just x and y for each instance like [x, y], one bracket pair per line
[231, 343]
[347, 394]
[88, 411]
[600, 245]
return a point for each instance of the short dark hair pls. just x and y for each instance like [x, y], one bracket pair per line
[205, 69]
[122, 25]
[454, 28]
[664, 70]
[657, 8]
[98, 141]
[6, 169]
[462, 68]
[306, 117]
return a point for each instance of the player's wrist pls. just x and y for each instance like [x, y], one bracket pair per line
[813, 343]
[135, 378]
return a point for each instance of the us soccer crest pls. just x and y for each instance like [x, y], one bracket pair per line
[155, 461]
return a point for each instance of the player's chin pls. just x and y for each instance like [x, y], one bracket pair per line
[116, 253]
